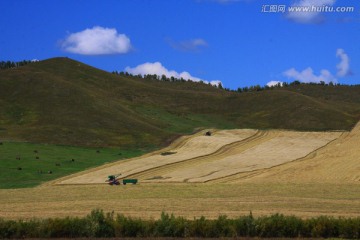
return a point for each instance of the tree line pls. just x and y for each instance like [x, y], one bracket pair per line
[12, 64]
[254, 88]
[161, 78]
[258, 88]
[101, 225]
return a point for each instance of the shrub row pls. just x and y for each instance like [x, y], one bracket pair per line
[98, 224]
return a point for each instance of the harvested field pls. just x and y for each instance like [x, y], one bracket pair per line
[183, 149]
[202, 158]
[315, 174]
[338, 162]
[185, 199]
[272, 149]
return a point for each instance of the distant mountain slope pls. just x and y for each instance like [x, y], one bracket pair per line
[63, 101]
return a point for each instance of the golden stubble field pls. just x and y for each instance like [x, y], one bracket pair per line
[201, 158]
[231, 172]
[186, 199]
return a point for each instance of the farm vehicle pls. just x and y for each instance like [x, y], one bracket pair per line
[115, 180]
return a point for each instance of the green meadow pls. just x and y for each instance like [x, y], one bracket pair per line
[28, 165]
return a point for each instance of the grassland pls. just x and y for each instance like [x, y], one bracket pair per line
[28, 165]
[62, 101]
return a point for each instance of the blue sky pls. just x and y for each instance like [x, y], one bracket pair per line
[237, 42]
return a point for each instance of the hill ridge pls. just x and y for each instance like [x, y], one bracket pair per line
[64, 101]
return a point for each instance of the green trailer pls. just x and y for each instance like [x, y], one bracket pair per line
[133, 181]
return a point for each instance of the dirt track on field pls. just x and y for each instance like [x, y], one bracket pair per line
[221, 157]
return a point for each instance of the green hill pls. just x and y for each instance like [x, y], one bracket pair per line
[62, 101]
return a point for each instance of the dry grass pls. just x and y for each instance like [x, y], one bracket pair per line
[189, 200]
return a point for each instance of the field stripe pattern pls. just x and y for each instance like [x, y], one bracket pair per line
[338, 162]
[225, 153]
[183, 149]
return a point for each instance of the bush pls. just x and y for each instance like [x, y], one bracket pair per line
[278, 226]
[349, 228]
[8, 228]
[245, 226]
[223, 227]
[97, 224]
[198, 227]
[170, 226]
[323, 226]
[129, 227]
[67, 227]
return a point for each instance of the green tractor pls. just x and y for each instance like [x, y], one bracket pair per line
[114, 180]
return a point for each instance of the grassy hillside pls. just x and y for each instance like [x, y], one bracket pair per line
[28, 164]
[62, 101]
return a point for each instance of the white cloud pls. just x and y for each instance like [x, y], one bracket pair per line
[97, 41]
[343, 68]
[274, 83]
[306, 11]
[158, 69]
[307, 75]
[191, 45]
[215, 83]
